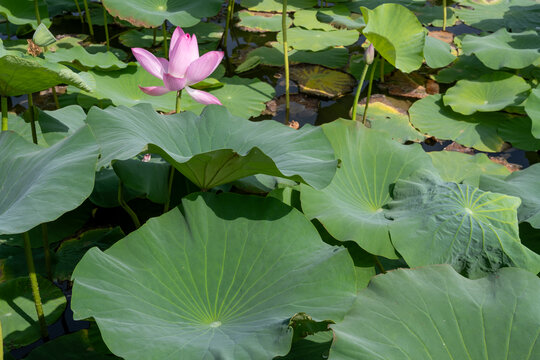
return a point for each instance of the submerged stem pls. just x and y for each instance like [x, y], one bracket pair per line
[35, 286]
[126, 207]
[79, 11]
[106, 27]
[32, 117]
[88, 19]
[359, 90]
[4, 113]
[46, 250]
[165, 49]
[286, 61]
[369, 89]
[444, 15]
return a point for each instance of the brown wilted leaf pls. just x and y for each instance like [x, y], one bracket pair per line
[33, 49]
[294, 124]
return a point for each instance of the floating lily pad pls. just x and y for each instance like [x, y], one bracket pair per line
[246, 148]
[490, 92]
[491, 15]
[307, 19]
[340, 17]
[143, 38]
[351, 207]
[260, 21]
[44, 182]
[532, 107]
[437, 314]
[276, 5]
[437, 53]
[523, 184]
[320, 81]
[503, 49]
[24, 75]
[438, 222]
[454, 166]
[207, 301]
[18, 313]
[22, 12]
[77, 56]
[316, 40]
[403, 48]
[152, 13]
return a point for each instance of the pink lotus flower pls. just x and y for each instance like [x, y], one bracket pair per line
[184, 67]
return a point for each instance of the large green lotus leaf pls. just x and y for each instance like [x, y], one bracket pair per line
[71, 251]
[335, 57]
[351, 207]
[320, 81]
[219, 279]
[244, 97]
[340, 17]
[437, 53]
[18, 315]
[105, 192]
[261, 22]
[84, 344]
[277, 5]
[524, 184]
[515, 15]
[403, 48]
[152, 13]
[77, 56]
[312, 347]
[490, 92]
[56, 125]
[316, 40]
[24, 75]
[465, 67]
[143, 38]
[215, 148]
[307, 19]
[18, 125]
[481, 131]
[458, 167]
[503, 49]
[21, 12]
[434, 313]
[44, 182]
[150, 179]
[438, 222]
[532, 108]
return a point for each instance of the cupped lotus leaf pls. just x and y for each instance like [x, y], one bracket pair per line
[490, 92]
[24, 75]
[351, 207]
[458, 167]
[340, 17]
[152, 13]
[465, 67]
[482, 131]
[334, 58]
[22, 12]
[316, 40]
[524, 184]
[215, 148]
[18, 315]
[42, 36]
[438, 222]
[491, 15]
[307, 19]
[434, 313]
[403, 48]
[78, 57]
[261, 22]
[437, 53]
[221, 278]
[44, 182]
[277, 5]
[318, 80]
[244, 97]
[532, 108]
[503, 49]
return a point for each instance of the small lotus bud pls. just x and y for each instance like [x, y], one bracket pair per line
[369, 55]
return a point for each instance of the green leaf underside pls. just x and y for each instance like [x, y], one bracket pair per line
[437, 222]
[219, 279]
[44, 182]
[351, 207]
[437, 53]
[434, 313]
[215, 148]
[316, 40]
[532, 108]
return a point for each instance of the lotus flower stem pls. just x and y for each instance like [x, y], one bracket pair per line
[4, 113]
[171, 179]
[36, 8]
[359, 90]
[369, 89]
[378, 263]
[55, 97]
[381, 67]
[444, 15]
[228, 21]
[286, 61]
[88, 18]
[35, 286]
[126, 207]
[46, 250]
[106, 27]
[178, 100]
[32, 117]
[79, 11]
[165, 50]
